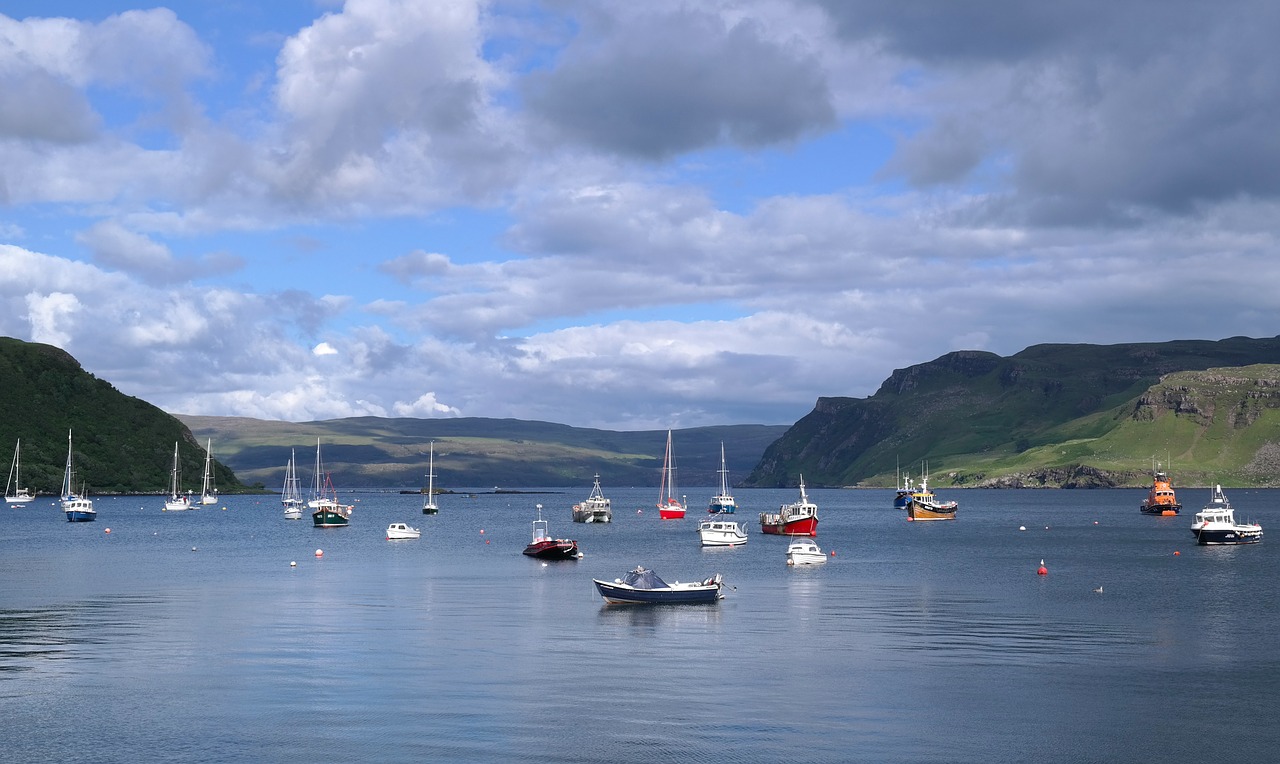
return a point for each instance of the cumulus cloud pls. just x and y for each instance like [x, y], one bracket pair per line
[118, 248]
[656, 80]
[1053, 173]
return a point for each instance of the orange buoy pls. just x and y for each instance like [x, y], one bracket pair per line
[319, 553]
[482, 531]
[108, 530]
[1042, 570]
[1176, 553]
[833, 553]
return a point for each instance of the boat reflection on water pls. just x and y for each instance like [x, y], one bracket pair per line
[659, 619]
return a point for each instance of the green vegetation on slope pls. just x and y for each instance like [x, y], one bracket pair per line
[122, 444]
[1049, 415]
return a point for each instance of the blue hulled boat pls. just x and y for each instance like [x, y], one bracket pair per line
[644, 586]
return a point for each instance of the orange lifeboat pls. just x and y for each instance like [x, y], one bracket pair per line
[1161, 499]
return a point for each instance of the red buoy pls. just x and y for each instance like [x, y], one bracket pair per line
[1042, 570]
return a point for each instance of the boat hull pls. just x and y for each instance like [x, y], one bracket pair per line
[688, 594]
[807, 526]
[328, 518]
[1162, 510]
[805, 558]
[81, 516]
[917, 511]
[1226, 536]
[19, 500]
[581, 515]
[430, 509]
[722, 506]
[553, 549]
[402, 534]
[712, 533]
[671, 512]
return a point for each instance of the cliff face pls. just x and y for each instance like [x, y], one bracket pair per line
[969, 408]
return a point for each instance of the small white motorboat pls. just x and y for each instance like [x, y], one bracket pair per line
[717, 532]
[402, 531]
[804, 552]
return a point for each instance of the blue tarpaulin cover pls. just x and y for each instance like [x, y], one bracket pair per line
[644, 579]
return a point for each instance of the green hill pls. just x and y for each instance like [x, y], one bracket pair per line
[473, 452]
[122, 444]
[1060, 415]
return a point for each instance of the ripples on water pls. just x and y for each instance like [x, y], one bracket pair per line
[187, 636]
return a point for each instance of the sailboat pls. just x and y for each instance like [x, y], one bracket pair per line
[208, 493]
[722, 502]
[176, 501]
[429, 504]
[669, 507]
[18, 495]
[78, 507]
[326, 511]
[291, 493]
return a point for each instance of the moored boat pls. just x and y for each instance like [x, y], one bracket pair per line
[78, 507]
[723, 502]
[925, 506]
[176, 502]
[326, 510]
[595, 509]
[1161, 499]
[669, 507]
[544, 547]
[14, 492]
[643, 586]
[208, 491]
[429, 503]
[799, 518]
[401, 531]
[902, 498]
[291, 494]
[804, 552]
[1216, 524]
[717, 532]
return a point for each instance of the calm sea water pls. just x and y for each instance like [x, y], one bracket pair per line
[188, 637]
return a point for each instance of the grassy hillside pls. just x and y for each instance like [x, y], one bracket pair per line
[1051, 415]
[122, 444]
[478, 452]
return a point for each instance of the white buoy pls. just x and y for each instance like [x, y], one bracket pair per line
[293, 563]
[1022, 527]
[319, 553]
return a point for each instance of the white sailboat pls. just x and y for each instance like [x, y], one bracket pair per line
[14, 493]
[78, 507]
[176, 501]
[429, 505]
[722, 502]
[291, 494]
[208, 492]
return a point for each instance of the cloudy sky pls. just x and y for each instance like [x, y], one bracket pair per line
[624, 215]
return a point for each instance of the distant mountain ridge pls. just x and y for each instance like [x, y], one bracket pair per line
[1049, 415]
[471, 452]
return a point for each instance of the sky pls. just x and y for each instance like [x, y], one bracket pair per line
[626, 215]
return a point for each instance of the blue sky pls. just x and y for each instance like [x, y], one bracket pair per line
[622, 215]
